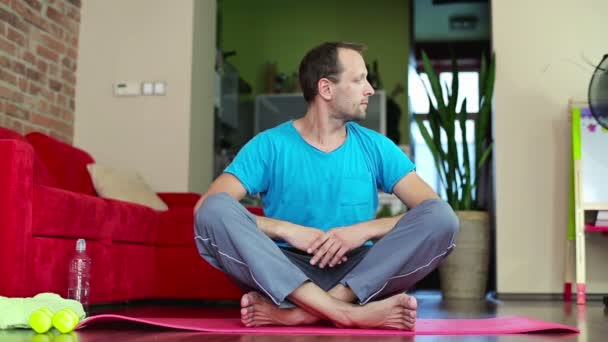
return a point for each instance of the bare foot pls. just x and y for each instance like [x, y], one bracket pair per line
[396, 312]
[257, 310]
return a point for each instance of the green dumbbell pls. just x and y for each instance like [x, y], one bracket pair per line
[41, 320]
[65, 320]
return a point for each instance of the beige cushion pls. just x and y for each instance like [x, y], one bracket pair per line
[124, 185]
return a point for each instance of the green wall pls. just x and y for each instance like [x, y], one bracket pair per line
[282, 31]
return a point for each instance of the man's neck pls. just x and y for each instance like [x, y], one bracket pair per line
[320, 130]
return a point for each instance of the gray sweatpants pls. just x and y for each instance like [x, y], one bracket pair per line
[227, 237]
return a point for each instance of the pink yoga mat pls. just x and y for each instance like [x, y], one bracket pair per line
[484, 326]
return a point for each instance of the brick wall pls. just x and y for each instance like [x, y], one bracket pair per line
[38, 54]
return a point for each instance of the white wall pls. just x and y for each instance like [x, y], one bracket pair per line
[139, 40]
[203, 78]
[541, 48]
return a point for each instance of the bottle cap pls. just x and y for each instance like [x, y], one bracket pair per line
[81, 245]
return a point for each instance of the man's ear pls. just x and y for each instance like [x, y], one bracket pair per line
[325, 88]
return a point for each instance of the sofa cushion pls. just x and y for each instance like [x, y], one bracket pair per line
[67, 214]
[66, 163]
[62, 213]
[176, 227]
[123, 185]
[133, 223]
[41, 172]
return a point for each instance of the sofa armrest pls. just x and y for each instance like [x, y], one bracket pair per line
[16, 188]
[259, 211]
[179, 199]
[189, 199]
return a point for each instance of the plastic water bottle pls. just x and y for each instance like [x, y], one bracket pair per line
[80, 274]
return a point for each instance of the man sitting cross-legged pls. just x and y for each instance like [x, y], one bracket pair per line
[318, 177]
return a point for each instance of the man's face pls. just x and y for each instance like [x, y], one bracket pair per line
[352, 91]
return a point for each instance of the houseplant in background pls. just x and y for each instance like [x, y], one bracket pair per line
[464, 272]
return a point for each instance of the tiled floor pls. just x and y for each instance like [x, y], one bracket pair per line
[591, 319]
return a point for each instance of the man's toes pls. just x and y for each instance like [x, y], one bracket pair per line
[244, 312]
[256, 297]
[409, 325]
[249, 319]
[408, 302]
[412, 303]
[247, 313]
[246, 300]
[246, 322]
[411, 314]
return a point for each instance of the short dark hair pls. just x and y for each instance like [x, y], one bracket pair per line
[322, 62]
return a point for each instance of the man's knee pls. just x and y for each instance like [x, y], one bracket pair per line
[213, 207]
[445, 223]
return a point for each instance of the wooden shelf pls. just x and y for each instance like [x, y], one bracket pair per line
[594, 206]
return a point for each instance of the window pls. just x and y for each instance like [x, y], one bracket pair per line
[419, 106]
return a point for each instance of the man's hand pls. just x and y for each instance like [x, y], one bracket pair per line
[301, 237]
[329, 248]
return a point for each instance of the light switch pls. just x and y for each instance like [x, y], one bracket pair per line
[160, 88]
[130, 88]
[147, 88]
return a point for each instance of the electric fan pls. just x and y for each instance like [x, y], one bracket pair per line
[598, 101]
[598, 93]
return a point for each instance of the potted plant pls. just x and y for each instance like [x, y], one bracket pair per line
[464, 272]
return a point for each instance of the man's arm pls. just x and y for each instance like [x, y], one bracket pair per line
[298, 236]
[411, 190]
[227, 183]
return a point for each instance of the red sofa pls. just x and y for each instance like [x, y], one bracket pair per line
[47, 202]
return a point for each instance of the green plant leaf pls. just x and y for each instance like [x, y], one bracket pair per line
[458, 172]
[441, 163]
[482, 74]
[486, 98]
[429, 141]
[480, 89]
[453, 95]
[437, 92]
[480, 165]
[484, 158]
[466, 189]
[436, 135]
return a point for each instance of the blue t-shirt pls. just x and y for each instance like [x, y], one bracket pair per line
[304, 185]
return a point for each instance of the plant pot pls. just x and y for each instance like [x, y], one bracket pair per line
[464, 273]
